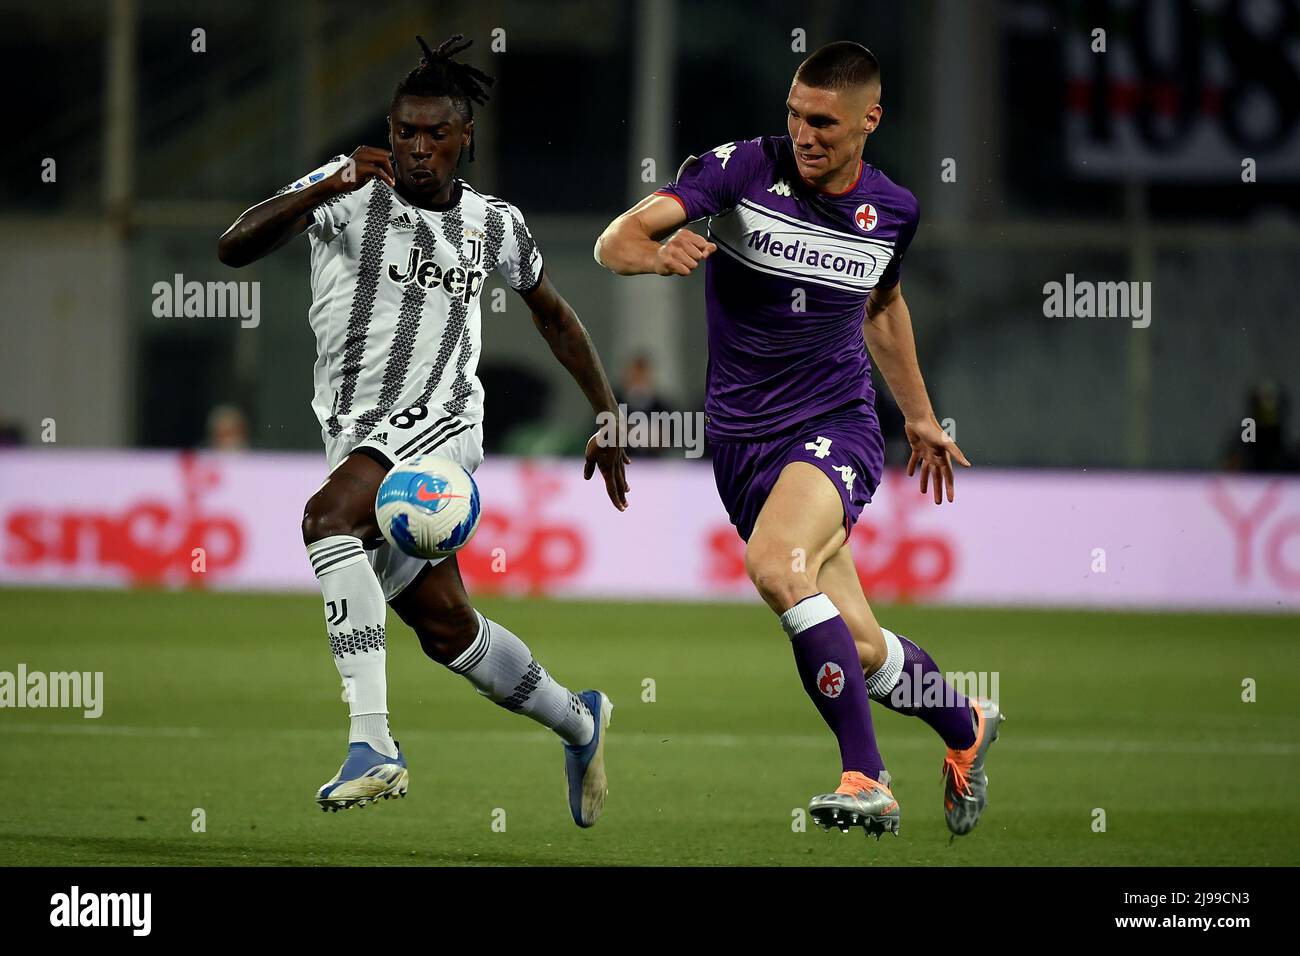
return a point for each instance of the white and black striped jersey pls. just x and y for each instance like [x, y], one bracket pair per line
[395, 299]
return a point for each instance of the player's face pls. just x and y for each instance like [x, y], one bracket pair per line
[828, 128]
[426, 134]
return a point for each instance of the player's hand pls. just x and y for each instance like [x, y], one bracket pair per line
[612, 461]
[683, 251]
[365, 163]
[933, 452]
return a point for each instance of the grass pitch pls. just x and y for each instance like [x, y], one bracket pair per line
[230, 704]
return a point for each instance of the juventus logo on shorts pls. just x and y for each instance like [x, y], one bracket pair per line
[336, 612]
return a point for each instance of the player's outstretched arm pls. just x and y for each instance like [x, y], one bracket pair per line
[270, 224]
[887, 328]
[572, 346]
[631, 245]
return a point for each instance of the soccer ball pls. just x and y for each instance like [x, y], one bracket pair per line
[428, 507]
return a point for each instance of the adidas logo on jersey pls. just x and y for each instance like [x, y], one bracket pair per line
[781, 188]
[404, 222]
[382, 436]
[425, 272]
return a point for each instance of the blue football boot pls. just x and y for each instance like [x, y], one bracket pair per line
[585, 766]
[366, 776]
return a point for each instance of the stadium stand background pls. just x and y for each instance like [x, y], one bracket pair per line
[158, 148]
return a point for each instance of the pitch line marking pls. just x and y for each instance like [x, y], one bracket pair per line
[662, 738]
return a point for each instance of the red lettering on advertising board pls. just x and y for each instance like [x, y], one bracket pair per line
[896, 563]
[518, 549]
[1245, 523]
[152, 540]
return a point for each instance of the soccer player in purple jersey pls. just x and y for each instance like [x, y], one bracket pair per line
[802, 267]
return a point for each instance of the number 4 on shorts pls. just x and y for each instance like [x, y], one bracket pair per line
[820, 448]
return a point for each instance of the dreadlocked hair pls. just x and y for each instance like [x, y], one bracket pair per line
[439, 74]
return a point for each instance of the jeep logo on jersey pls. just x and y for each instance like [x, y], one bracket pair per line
[456, 281]
[866, 217]
[830, 680]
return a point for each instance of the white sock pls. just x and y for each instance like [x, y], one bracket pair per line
[354, 620]
[503, 669]
[882, 683]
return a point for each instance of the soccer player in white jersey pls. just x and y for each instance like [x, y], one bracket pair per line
[400, 249]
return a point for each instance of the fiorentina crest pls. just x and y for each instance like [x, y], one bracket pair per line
[830, 680]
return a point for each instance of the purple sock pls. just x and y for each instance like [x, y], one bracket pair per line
[911, 683]
[828, 664]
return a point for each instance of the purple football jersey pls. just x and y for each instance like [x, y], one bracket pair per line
[787, 288]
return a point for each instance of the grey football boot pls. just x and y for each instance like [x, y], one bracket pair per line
[858, 802]
[965, 782]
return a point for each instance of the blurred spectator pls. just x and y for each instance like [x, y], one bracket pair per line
[227, 429]
[638, 392]
[638, 389]
[1267, 406]
[11, 433]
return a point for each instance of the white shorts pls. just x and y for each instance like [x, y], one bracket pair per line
[409, 433]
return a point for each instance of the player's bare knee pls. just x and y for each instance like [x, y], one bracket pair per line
[866, 636]
[318, 526]
[872, 657]
[323, 518]
[781, 580]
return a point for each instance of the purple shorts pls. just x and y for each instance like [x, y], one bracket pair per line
[844, 443]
